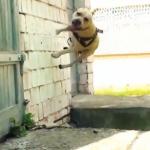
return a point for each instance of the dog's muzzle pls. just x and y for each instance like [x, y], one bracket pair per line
[76, 22]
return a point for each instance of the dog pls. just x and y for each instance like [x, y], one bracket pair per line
[84, 36]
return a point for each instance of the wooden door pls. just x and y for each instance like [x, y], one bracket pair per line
[11, 91]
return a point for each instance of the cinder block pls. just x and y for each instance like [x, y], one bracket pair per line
[48, 75]
[34, 111]
[90, 67]
[42, 77]
[69, 98]
[83, 79]
[59, 122]
[26, 41]
[62, 16]
[43, 8]
[64, 101]
[51, 13]
[29, 83]
[27, 96]
[52, 105]
[52, 2]
[68, 84]
[20, 7]
[58, 105]
[46, 108]
[26, 66]
[22, 48]
[44, 43]
[30, 24]
[66, 119]
[40, 111]
[68, 73]
[56, 74]
[35, 95]
[51, 119]
[61, 74]
[82, 68]
[39, 25]
[58, 15]
[57, 115]
[29, 7]
[34, 7]
[64, 112]
[35, 78]
[39, 9]
[48, 59]
[66, 18]
[55, 62]
[44, 121]
[54, 9]
[24, 6]
[91, 89]
[86, 89]
[45, 1]
[31, 41]
[64, 88]
[51, 90]
[22, 23]
[33, 60]
[35, 117]
[64, 4]
[43, 93]
[41, 59]
[90, 78]
[58, 89]
[25, 81]
[65, 73]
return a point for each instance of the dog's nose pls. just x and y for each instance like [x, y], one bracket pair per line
[76, 22]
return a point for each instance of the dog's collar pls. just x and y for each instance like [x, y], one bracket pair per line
[82, 40]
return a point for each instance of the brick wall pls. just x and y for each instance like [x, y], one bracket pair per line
[45, 85]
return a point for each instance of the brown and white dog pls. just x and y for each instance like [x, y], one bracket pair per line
[84, 36]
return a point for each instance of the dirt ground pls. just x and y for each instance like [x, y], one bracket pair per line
[57, 139]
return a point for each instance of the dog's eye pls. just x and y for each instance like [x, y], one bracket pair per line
[86, 19]
[79, 14]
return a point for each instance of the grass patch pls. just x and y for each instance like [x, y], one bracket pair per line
[128, 90]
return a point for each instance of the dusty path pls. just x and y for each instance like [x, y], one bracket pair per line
[57, 139]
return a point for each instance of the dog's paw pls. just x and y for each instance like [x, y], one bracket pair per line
[57, 31]
[54, 55]
[60, 67]
[65, 47]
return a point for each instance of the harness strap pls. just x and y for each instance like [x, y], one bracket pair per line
[82, 40]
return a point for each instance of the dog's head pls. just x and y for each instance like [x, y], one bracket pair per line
[81, 19]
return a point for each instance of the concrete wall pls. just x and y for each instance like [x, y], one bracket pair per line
[45, 85]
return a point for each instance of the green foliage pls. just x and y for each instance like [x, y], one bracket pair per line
[20, 130]
[28, 121]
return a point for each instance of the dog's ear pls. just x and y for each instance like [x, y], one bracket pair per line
[94, 11]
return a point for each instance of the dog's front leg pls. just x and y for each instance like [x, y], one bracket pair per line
[83, 55]
[65, 51]
[61, 30]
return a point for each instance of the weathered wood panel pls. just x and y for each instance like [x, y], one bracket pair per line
[6, 26]
[7, 87]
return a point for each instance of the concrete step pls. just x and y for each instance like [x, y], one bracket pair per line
[132, 113]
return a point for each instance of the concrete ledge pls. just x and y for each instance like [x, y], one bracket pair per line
[131, 113]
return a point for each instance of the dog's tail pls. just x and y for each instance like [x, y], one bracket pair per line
[95, 10]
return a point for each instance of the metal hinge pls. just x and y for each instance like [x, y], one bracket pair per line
[22, 58]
